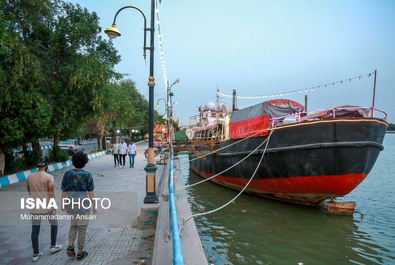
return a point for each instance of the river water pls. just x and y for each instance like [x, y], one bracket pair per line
[259, 231]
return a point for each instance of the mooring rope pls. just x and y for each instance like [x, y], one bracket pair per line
[226, 146]
[245, 187]
[216, 175]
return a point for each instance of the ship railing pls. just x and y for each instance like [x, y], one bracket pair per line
[204, 138]
[178, 258]
[193, 120]
[196, 139]
[321, 114]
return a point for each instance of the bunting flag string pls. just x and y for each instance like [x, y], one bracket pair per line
[301, 91]
[161, 52]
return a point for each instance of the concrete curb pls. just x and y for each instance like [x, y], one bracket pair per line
[192, 249]
[43, 147]
[21, 176]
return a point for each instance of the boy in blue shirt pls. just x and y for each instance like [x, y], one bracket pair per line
[77, 185]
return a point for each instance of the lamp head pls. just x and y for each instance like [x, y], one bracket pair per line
[112, 32]
[157, 106]
[175, 82]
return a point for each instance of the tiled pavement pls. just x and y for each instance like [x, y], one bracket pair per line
[105, 242]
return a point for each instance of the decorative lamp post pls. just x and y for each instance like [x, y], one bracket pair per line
[150, 168]
[170, 107]
[157, 104]
[132, 133]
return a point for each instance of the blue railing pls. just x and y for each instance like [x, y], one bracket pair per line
[178, 259]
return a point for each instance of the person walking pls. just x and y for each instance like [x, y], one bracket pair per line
[40, 185]
[122, 153]
[132, 153]
[77, 185]
[115, 152]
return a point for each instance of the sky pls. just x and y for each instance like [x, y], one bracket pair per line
[261, 47]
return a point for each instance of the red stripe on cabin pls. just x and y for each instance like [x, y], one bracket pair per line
[245, 128]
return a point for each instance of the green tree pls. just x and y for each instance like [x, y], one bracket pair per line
[124, 107]
[24, 112]
[53, 66]
[79, 67]
[114, 105]
[72, 60]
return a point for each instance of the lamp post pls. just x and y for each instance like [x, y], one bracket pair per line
[150, 168]
[157, 104]
[117, 140]
[170, 106]
[132, 133]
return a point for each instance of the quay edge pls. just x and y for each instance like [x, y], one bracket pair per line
[190, 241]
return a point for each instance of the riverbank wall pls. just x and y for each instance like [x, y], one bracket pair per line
[192, 249]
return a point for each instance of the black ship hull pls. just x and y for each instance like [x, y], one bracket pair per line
[305, 163]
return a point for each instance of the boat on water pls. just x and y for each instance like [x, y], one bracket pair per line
[310, 156]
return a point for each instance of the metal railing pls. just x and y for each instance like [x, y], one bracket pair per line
[328, 113]
[178, 258]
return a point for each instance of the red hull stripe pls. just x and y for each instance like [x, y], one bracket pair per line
[245, 128]
[330, 185]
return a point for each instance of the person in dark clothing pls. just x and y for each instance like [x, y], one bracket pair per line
[116, 154]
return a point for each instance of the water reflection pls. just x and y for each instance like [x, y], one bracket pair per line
[257, 231]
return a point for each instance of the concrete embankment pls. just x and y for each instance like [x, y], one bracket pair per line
[191, 246]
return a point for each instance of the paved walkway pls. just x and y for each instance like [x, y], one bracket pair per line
[111, 239]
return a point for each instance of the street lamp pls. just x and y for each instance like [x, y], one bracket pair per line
[157, 104]
[169, 108]
[117, 140]
[150, 168]
[132, 132]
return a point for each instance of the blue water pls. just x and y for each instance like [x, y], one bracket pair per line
[258, 231]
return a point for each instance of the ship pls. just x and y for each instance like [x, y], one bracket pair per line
[310, 156]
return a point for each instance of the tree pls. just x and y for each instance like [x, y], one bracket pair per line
[53, 66]
[121, 105]
[80, 66]
[115, 105]
[57, 75]
[23, 110]
[72, 60]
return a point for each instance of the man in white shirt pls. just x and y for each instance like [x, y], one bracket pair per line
[122, 153]
[132, 153]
